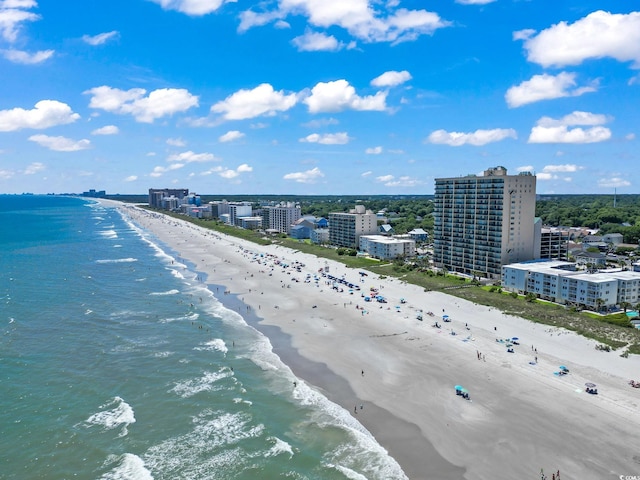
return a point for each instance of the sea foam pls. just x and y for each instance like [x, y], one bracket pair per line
[205, 383]
[118, 413]
[130, 467]
[117, 260]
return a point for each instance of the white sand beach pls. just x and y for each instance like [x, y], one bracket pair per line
[521, 416]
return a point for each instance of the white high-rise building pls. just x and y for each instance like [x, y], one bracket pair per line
[484, 221]
[345, 229]
[283, 216]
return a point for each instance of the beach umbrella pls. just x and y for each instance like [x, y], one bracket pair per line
[590, 385]
[515, 338]
[445, 316]
[459, 387]
[562, 367]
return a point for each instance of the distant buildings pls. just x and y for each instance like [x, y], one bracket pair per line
[95, 193]
[159, 197]
[482, 222]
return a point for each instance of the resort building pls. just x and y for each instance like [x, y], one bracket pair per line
[320, 236]
[238, 210]
[560, 282]
[554, 243]
[345, 229]
[387, 248]
[281, 217]
[482, 222]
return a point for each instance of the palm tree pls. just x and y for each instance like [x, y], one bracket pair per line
[599, 304]
[625, 305]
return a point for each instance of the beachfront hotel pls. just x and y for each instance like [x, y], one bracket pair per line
[345, 229]
[282, 217]
[482, 222]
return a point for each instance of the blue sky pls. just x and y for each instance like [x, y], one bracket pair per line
[317, 96]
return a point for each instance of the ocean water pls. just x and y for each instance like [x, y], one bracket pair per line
[118, 362]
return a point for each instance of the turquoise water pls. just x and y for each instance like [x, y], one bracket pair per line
[117, 362]
[632, 314]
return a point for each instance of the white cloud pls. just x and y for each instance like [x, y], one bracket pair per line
[339, 95]
[613, 182]
[60, 144]
[191, 157]
[159, 103]
[18, 3]
[566, 168]
[192, 7]
[131, 178]
[340, 138]
[385, 178]
[316, 42]
[387, 24]
[230, 136]
[545, 87]
[321, 122]
[366, 174]
[373, 150]
[575, 118]
[47, 113]
[310, 176]
[230, 173]
[474, 2]
[106, 130]
[525, 168]
[262, 100]
[249, 19]
[564, 135]
[546, 176]
[477, 138]
[26, 58]
[404, 181]
[176, 142]
[391, 78]
[11, 18]
[630, 136]
[159, 170]
[550, 130]
[34, 168]
[101, 38]
[598, 35]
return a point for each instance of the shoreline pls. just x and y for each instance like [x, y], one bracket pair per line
[415, 460]
[521, 416]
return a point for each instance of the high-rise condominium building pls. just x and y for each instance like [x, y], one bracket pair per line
[282, 216]
[345, 229]
[484, 221]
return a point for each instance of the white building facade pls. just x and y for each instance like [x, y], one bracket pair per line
[559, 282]
[387, 248]
[345, 229]
[283, 216]
[482, 222]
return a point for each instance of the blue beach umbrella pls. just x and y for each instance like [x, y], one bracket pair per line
[459, 387]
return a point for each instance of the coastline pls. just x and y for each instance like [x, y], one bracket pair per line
[521, 417]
